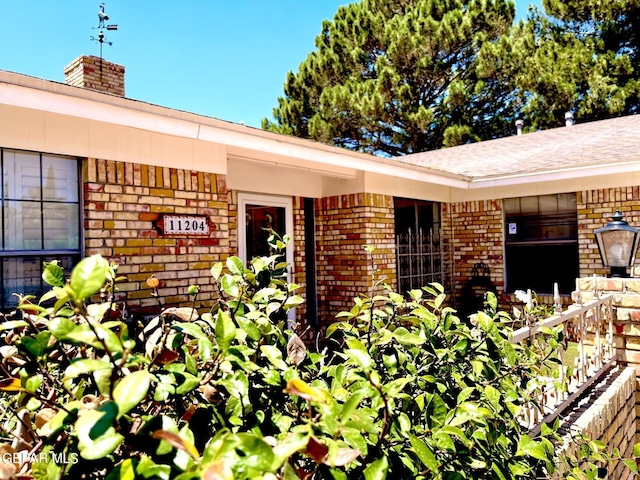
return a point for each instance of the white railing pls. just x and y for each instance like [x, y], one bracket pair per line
[595, 355]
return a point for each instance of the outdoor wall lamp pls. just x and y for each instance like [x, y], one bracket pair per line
[617, 243]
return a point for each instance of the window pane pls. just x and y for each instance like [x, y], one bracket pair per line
[541, 265]
[529, 204]
[511, 205]
[61, 226]
[21, 275]
[21, 175]
[59, 179]
[22, 226]
[548, 204]
[567, 203]
[260, 218]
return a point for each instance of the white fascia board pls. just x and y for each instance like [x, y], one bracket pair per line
[43, 100]
[574, 173]
[347, 162]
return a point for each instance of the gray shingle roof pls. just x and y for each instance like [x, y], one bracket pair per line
[597, 143]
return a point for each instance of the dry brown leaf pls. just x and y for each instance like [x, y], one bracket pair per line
[176, 442]
[296, 350]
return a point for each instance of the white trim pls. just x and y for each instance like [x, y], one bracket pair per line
[244, 199]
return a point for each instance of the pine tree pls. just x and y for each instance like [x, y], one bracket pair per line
[393, 77]
[583, 57]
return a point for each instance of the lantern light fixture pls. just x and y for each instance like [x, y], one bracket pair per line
[617, 242]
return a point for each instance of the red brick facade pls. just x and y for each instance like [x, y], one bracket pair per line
[473, 233]
[121, 203]
[344, 224]
[595, 208]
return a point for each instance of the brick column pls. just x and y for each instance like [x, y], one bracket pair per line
[473, 233]
[595, 208]
[344, 224]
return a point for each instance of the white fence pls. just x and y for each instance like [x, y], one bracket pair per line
[588, 324]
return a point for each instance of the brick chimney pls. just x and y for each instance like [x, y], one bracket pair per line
[97, 74]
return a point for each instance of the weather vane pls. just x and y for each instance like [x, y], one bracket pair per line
[102, 19]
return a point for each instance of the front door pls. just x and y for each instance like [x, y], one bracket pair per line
[261, 213]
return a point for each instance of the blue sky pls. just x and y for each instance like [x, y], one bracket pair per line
[221, 58]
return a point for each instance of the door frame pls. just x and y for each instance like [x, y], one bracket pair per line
[247, 198]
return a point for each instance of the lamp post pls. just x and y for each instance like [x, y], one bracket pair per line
[617, 242]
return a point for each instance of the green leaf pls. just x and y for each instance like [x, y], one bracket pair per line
[360, 358]
[96, 436]
[85, 367]
[53, 274]
[131, 390]
[32, 383]
[291, 444]
[190, 383]
[190, 329]
[531, 448]
[230, 286]
[274, 355]
[394, 387]
[235, 265]
[424, 453]
[225, 330]
[125, 471]
[216, 270]
[60, 327]
[377, 470]
[257, 453]
[11, 324]
[249, 327]
[37, 345]
[352, 403]
[147, 468]
[88, 277]
[631, 465]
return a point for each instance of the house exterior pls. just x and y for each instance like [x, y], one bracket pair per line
[168, 193]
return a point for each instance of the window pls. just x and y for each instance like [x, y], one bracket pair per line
[40, 220]
[418, 246]
[541, 245]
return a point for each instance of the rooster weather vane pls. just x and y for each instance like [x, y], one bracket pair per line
[102, 25]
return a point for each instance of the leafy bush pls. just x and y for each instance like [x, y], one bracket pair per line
[403, 388]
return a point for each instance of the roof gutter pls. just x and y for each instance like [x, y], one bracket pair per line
[572, 173]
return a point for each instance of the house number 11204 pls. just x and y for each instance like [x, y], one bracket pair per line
[185, 225]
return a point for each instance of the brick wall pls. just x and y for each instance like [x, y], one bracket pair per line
[299, 255]
[473, 233]
[344, 224]
[97, 74]
[595, 208]
[626, 320]
[606, 413]
[121, 203]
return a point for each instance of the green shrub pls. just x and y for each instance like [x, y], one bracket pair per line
[403, 388]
